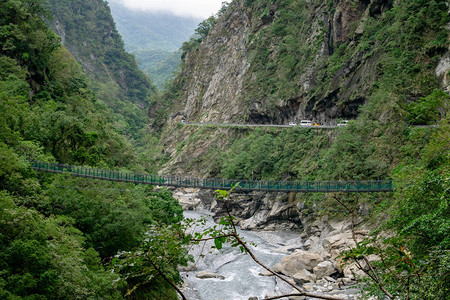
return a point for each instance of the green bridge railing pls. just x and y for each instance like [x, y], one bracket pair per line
[211, 183]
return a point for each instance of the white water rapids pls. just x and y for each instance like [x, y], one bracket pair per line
[242, 279]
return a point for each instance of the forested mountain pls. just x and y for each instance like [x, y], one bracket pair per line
[383, 65]
[161, 65]
[154, 38]
[88, 31]
[273, 62]
[57, 233]
[76, 97]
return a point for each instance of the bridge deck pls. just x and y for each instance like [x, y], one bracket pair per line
[212, 183]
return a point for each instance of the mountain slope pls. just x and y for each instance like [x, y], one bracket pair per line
[87, 29]
[56, 230]
[154, 38]
[151, 31]
[384, 65]
[277, 62]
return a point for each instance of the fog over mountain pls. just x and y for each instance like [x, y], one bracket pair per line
[195, 8]
[153, 37]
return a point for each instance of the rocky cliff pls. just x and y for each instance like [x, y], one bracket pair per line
[277, 62]
[251, 69]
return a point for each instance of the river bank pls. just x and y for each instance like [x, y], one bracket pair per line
[229, 274]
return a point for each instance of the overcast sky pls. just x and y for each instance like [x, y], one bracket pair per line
[196, 8]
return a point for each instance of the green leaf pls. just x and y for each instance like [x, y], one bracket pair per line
[218, 243]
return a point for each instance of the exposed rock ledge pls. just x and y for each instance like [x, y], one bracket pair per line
[256, 210]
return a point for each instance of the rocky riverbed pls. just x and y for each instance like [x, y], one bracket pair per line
[306, 253]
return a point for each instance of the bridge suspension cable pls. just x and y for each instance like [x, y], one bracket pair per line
[215, 183]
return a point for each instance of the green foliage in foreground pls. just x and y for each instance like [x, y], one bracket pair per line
[56, 232]
[414, 258]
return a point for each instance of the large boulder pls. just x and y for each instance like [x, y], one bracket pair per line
[303, 276]
[323, 269]
[338, 243]
[187, 198]
[299, 260]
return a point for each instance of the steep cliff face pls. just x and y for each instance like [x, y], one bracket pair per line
[276, 62]
[88, 31]
[214, 73]
[260, 64]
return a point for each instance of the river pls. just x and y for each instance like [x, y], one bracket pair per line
[241, 273]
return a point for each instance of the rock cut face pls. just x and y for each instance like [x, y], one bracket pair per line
[213, 74]
[219, 78]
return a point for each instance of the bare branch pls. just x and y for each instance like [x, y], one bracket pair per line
[248, 250]
[362, 269]
[407, 289]
[213, 238]
[366, 260]
[231, 218]
[167, 280]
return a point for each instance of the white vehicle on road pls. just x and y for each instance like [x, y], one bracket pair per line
[305, 123]
[292, 124]
[343, 123]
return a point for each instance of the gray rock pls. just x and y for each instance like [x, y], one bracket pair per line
[188, 268]
[265, 273]
[278, 268]
[270, 295]
[297, 298]
[311, 243]
[323, 269]
[208, 275]
[308, 287]
[336, 244]
[299, 260]
[187, 198]
[303, 276]
[287, 249]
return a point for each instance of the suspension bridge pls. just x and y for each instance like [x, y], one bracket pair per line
[215, 183]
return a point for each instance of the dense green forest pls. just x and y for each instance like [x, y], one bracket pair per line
[57, 233]
[161, 65]
[87, 30]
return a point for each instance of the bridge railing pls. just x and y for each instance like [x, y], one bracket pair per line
[215, 183]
